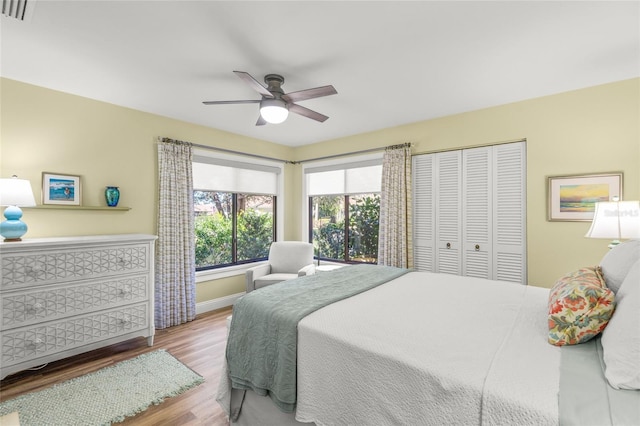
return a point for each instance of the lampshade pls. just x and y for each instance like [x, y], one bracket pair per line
[14, 193]
[274, 111]
[616, 219]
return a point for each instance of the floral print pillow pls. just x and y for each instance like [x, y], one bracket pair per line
[580, 306]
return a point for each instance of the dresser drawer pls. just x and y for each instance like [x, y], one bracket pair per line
[54, 302]
[35, 268]
[40, 340]
[63, 296]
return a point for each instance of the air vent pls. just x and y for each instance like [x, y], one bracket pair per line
[21, 10]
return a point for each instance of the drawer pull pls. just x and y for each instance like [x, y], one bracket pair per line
[477, 247]
[32, 271]
[125, 291]
[32, 309]
[33, 344]
[448, 245]
[124, 321]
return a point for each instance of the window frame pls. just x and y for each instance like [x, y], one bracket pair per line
[239, 269]
[234, 231]
[335, 164]
[347, 235]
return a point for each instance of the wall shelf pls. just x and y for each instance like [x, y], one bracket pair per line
[61, 207]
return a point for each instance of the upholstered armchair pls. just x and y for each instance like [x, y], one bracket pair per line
[287, 260]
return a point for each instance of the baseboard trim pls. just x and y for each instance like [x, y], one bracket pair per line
[220, 302]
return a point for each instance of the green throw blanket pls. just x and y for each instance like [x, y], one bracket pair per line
[262, 345]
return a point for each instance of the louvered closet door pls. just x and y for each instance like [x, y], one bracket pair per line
[469, 212]
[509, 220]
[448, 212]
[423, 213]
[477, 213]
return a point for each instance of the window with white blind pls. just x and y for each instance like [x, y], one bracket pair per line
[343, 208]
[236, 209]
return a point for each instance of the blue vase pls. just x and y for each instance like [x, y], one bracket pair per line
[112, 195]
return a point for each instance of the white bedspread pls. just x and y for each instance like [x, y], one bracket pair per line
[430, 349]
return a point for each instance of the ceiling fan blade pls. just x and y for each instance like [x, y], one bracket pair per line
[307, 112]
[261, 121]
[255, 85]
[309, 94]
[251, 101]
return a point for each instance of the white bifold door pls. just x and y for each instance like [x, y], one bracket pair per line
[469, 212]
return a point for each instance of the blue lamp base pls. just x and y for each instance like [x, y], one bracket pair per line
[13, 228]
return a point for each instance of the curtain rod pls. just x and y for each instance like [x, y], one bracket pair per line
[435, 151]
[231, 151]
[364, 151]
[346, 154]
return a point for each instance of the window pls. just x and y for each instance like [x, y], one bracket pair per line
[235, 206]
[344, 208]
[232, 228]
[345, 234]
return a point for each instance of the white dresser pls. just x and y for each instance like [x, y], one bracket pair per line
[64, 296]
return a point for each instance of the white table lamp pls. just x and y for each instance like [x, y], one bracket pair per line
[14, 193]
[616, 219]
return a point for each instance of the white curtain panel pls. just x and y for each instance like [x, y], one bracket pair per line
[175, 289]
[395, 247]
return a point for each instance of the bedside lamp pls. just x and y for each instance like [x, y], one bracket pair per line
[616, 219]
[14, 193]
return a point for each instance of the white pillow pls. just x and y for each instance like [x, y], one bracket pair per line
[621, 337]
[617, 262]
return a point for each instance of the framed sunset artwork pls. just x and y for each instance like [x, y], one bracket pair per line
[573, 198]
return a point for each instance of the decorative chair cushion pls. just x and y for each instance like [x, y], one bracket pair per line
[290, 256]
[580, 306]
[266, 280]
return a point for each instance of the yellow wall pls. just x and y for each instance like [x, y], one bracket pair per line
[585, 131]
[591, 130]
[45, 130]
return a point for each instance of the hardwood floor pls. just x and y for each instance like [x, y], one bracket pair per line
[199, 344]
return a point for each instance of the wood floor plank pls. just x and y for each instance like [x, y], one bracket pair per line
[199, 344]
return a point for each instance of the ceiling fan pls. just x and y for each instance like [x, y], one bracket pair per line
[275, 104]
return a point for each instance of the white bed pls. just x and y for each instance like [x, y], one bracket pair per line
[425, 349]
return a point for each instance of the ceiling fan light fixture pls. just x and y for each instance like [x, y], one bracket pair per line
[275, 105]
[274, 111]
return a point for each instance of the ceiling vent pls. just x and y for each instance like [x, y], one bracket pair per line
[21, 10]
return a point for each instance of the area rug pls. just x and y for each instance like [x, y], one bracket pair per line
[108, 395]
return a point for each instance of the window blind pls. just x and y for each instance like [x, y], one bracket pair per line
[215, 174]
[351, 178]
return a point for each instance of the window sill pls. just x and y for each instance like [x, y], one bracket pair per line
[230, 271]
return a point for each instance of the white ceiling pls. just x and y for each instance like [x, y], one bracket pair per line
[391, 62]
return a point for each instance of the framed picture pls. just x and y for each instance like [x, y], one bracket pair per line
[573, 198]
[61, 189]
